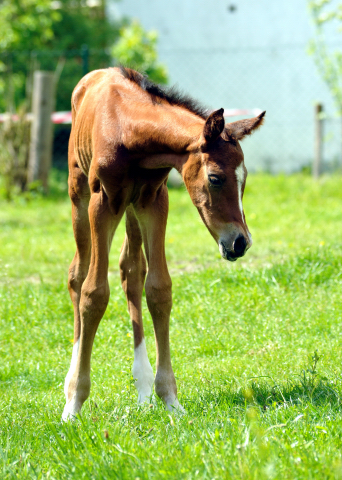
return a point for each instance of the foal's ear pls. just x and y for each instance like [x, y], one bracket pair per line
[238, 130]
[214, 126]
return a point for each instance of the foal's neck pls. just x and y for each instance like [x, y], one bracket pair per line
[164, 131]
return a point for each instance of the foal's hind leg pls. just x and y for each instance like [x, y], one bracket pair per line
[133, 272]
[94, 297]
[79, 195]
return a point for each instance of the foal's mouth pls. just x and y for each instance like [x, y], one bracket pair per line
[226, 254]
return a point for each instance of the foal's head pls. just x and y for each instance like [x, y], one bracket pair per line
[215, 176]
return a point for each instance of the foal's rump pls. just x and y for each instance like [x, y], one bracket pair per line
[93, 117]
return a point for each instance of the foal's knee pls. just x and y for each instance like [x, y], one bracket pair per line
[74, 282]
[158, 295]
[77, 275]
[94, 299]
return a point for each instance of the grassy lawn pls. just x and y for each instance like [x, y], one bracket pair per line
[260, 403]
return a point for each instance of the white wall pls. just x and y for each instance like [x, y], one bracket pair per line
[253, 56]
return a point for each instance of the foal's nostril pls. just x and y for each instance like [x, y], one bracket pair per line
[240, 245]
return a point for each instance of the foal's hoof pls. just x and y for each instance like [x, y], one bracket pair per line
[148, 400]
[175, 407]
[68, 418]
[70, 412]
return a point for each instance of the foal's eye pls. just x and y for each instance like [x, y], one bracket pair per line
[215, 180]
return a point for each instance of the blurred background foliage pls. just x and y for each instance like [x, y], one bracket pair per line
[138, 49]
[327, 14]
[70, 37]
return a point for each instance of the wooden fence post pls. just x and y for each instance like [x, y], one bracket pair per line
[43, 101]
[317, 163]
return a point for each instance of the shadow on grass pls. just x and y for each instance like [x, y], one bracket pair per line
[265, 395]
[295, 392]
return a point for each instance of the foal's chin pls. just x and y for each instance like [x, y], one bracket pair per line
[229, 256]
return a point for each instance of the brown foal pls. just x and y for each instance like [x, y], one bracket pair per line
[127, 134]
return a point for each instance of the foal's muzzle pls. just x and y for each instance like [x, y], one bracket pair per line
[237, 250]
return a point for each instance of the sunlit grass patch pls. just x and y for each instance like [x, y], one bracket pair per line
[256, 346]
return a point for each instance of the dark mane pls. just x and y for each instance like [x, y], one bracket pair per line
[170, 95]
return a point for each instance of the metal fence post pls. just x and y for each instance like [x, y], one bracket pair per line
[43, 100]
[317, 163]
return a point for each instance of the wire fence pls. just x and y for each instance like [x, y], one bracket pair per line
[283, 81]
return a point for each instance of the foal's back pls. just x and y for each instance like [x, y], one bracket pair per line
[103, 103]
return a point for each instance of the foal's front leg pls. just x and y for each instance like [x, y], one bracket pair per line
[152, 219]
[94, 299]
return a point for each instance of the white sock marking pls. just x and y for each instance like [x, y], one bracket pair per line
[72, 407]
[142, 373]
[72, 367]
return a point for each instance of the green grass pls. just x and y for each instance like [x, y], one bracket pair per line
[243, 339]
